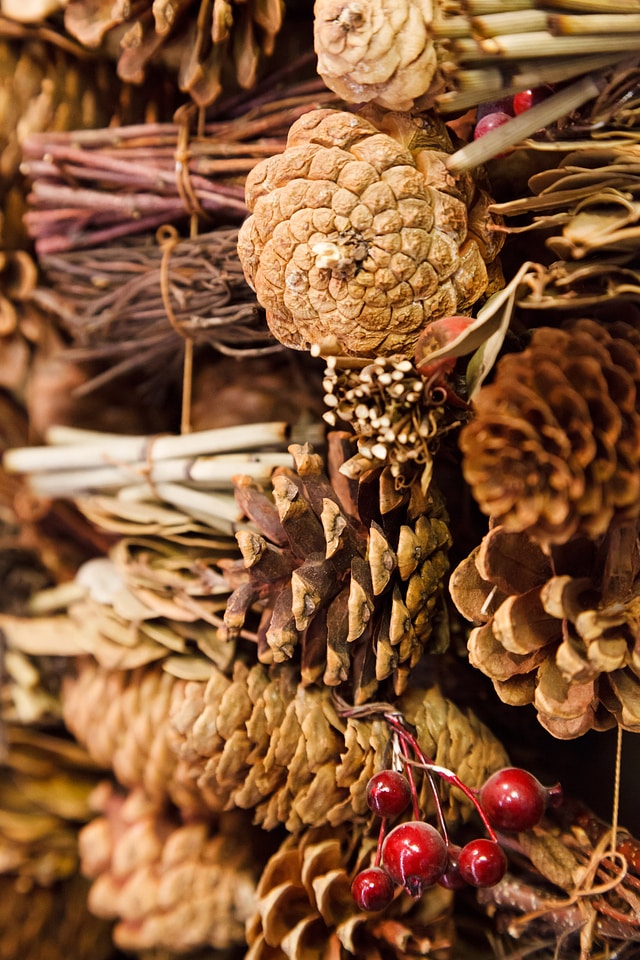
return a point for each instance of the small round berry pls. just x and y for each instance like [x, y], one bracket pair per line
[489, 122]
[388, 793]
[414, 855]
[526, 99]
[482, 862]
[513, 799]
[452, 879]
[372, 889]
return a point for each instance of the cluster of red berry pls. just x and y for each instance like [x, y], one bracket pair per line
[414, 854]
[496, 114]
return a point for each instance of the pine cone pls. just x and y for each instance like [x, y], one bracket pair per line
[554, 449]
[554, 632]
[45, 923]
[359, 601]
[204, 38]
[370, 51]
[259, 740]
[360, 236]
[123, 720]
[168, 884]
[304, 896]
[407, 54]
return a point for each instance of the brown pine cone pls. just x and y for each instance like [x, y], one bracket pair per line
[260, 740]
[359, 601]
[122, 717]
[555, 630]
[201, 40]
[370, 51]
[304, 896]
[168, 884]
[554, 449]
[360, 236]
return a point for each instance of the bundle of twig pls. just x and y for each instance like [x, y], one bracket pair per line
[130, 304]
[93, 187]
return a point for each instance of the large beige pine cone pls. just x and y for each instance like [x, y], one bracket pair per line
[304, 903]
[371, 50]
[359, 235]
[547, 632]
[260, 740]
[554, 449]
[168, 884]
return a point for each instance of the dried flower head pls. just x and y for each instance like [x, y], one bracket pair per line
[360, 236]
[396, 414]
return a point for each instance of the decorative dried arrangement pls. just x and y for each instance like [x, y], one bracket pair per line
[407, 476]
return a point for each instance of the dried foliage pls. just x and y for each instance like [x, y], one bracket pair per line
[259, 740]
[575, 892]
[585, 208]
[44, 797]
[554, 448]
[169, 885]
[359, 602]
[558, 630]
[42, 922]
[304, 903]
[359, 235]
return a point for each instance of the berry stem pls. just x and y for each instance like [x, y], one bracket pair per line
[412, 780]
[381, 835]
[407, 738]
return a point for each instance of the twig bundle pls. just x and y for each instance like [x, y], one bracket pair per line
[129, 304]
[92, 187]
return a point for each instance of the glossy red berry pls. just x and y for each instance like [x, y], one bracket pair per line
[372, 889]
[388, 793]
[482, 862]
[513, 799]
[489, 122]
[414, 855]
[526, 99]
[452, 879]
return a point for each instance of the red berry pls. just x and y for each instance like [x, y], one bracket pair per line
[482, 863]
[451, 879]
[372, 889]
[414, 855]
[513, 799]
[526, 99]
[388, 793]
[489, 122]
